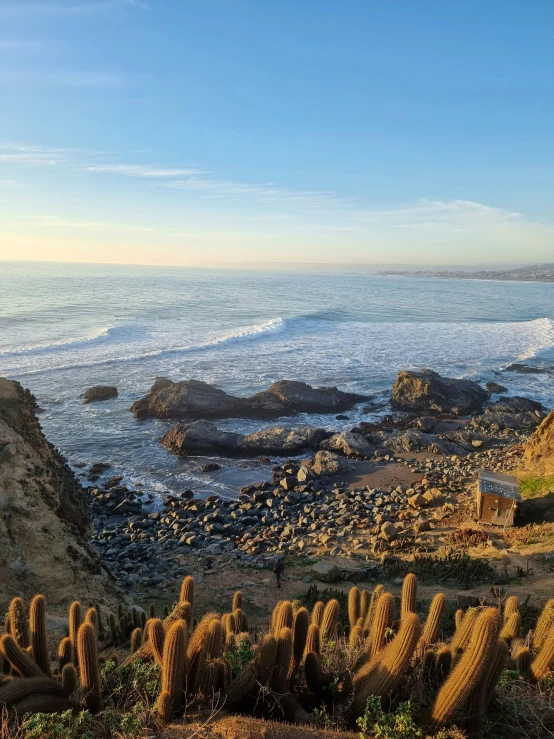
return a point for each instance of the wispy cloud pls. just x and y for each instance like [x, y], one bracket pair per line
[140, 170]
[36, 156]
[58, 222]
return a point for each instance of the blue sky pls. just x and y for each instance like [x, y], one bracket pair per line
[222, 131]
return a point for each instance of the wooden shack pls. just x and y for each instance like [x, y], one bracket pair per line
[498, 497]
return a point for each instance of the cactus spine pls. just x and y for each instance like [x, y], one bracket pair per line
[18, 623]
[136, 640]
[66, 654]
[470, 669]
[39, 638]
[69, 678]
[409, 595]
[19, 658]
[89, 672]
[463, 632]
[173, 669]
[329, 621]
[312, 639]
[390, 665]
[544, 623]
[237, 600]
[353, 606]
[283, 619]
[282, 660]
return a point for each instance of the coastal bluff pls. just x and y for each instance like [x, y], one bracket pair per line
[195, 399]
[45, 519]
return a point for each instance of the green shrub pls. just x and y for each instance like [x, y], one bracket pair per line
[58, 726]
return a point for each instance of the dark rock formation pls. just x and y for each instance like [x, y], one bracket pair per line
[350, 444]
[195, 399]
[98, 393]
[494, 387]
[45, 520]
[204, 438]
[515, 413]
[525, 369]
[427, 392]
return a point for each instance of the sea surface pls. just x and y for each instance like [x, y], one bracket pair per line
[64, 327]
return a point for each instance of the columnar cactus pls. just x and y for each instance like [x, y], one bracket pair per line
[156, 638]
[173, 670]
[464, 631]
[265, 659]
[328, 628]
[409, 595]
[39, 637]
[282, 660]
[524, 658]
[69, 678]
[544, 659]
[353, 606]
[382, 622]
[544, 624]
[432, 624]
[136, 640]
[390, 665]
[18, 689]
[19, 628]
[284, 617]
[241, 623]
[312, 639]
[66, 653]
[370, 615]
[237, 600]
[91, 617]
[19, 658]
[317, 613]
[458, 618]
[74, 621]
[315, 678]
[512, 626]
[300, 628]
[365, 600]
[187, 591]
[511, 606]
[89, 672]
[443, 663]
[474, 663]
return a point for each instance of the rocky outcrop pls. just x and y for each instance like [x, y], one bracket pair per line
[329, 463]
[99, 392]
[495, 388]
[427, 392]
[514, 413]
[204, 438]
[193, 399]
[350, 444]
[539, 450]
[45, 520]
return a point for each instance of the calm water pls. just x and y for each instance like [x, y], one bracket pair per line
[65, 327]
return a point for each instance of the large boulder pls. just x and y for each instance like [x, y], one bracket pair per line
[201, 438]
[411, 440]
[348, 443]
[283, 441]
[194, 399]
[45, 518]
[329, 463]
[99, 392]
[539, 450]
[514, 413]
[326, 571]
[427, 392]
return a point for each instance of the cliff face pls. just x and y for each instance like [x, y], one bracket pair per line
[539, 451]
[45, 520]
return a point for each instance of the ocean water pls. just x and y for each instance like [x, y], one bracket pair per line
[65, 327]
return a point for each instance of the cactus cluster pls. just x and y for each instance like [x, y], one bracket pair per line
[216, 658]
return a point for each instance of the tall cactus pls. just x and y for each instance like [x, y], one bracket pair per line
[370, 615]
[317, 613]
[69, 678]
[282, 660]
[524, 658]
[187, 591]
[265, 658]
[136, 640]
[512, 626]
[212, 648]
[511, 606]
[383, 621]
[328, 628]
[300, 628]
[365, 600]
[544, 659]
[443, 663]
[409, 595]
[19, 658]
[237, 600]
[283, 618]
[89, 671]
[156, 638]
[19, 628]
[18, 689]
[390, 665]
[66, 653]
[313, 640]
[39, 637]
[475, 662]
[74, 621]
[464, 631]
[544, 624]
[458, 618]
[315, 678]
[173, 669]
[432, 624]
[353, 606]
[91, 617]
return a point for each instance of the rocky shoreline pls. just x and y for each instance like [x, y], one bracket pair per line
[335, 500]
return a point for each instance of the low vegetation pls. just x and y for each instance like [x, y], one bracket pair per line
[366, 665]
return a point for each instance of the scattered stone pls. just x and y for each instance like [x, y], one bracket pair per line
[326, 571]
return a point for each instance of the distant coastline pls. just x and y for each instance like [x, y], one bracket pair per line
[533, 273]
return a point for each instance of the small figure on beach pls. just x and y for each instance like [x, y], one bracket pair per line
[278, 569]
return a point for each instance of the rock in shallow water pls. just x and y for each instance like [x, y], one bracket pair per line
[426, 391]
